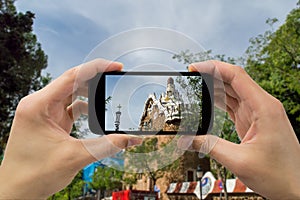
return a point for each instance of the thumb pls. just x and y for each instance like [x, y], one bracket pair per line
[108, 145]
[202, 144]
[227, 153]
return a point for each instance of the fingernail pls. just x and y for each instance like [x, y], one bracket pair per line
[196, 67]
[192, 68]
[134, 141]
[120, 64]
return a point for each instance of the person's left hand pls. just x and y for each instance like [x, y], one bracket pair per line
[41, 157]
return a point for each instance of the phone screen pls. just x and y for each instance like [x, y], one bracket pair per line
[153, 102]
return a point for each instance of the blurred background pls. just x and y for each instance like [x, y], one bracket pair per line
[40, 40]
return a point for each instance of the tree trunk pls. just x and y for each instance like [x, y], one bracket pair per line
[69, 193]
[224, 178]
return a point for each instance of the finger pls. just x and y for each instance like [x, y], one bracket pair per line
[89, 71]
[64, 86]
[185, 142]
[232, 103]
[202, 144]
[231, 114]
[92, 68]
[220, 102]
[223, 101]
[108, 145]
[220, 70]
[229, 91]
[77, 108]
[240, 81]
[82, 91]
[229, 154]
[225, 152]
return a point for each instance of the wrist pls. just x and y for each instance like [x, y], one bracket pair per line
[295, 180]
[295, 192]
[5, 185]
[13, 187]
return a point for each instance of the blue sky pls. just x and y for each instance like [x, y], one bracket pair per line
[70, 29]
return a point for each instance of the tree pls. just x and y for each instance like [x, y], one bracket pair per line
[106, 179]
[21, 60]
[192, 90]
[273, 61]
[151, 159]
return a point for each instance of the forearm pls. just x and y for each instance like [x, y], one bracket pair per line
[294, 186]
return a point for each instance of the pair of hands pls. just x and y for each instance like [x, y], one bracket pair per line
[41, 157]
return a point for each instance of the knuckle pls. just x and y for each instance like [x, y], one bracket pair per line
[240, 70]
[274, 108]
[69, 78]
[99, 60]
[278, 106]
[71, 73]
[26, 106]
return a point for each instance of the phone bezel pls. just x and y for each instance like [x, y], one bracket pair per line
[97, 110]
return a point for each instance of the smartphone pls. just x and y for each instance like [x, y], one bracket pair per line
[151, 103]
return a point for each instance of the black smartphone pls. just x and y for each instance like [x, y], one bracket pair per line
[151, 103]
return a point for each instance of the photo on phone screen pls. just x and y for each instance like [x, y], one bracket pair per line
[152, 103]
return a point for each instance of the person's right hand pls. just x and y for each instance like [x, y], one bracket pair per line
[268, 158]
